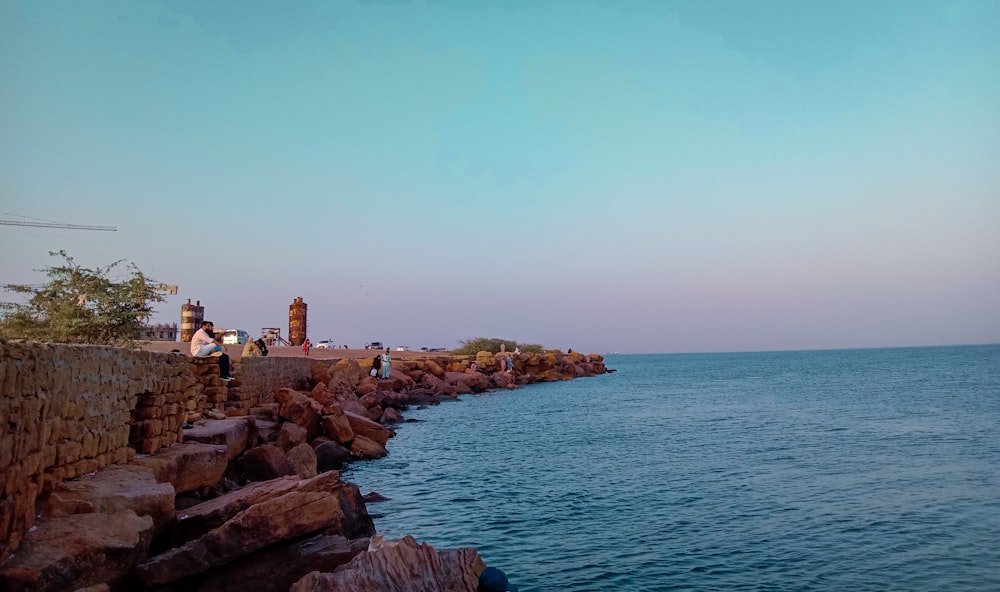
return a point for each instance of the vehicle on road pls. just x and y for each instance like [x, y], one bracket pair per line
[234, 336]
[402, 348]
[326, 344]
[374, 345]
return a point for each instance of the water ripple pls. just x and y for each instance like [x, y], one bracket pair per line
[810, 471]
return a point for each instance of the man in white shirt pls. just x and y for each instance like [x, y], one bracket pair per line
[204, 344]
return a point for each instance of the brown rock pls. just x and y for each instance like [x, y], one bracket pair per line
[277, 567]
[78, 551]
[302, 460]
[235, 434]
[300, 409]
[437, 385]
[331, 456]
[351, 370]
[111, 490]
[400, 566]
[319, 373]
[342, 393]
[265, 463]
[365, 449]
[188, 466]
[337, 426]
[391, 415]
[291, 435]
[206, 516]
[286, 517]
[362, 426]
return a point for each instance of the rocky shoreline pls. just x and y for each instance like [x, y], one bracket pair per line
[251, 499]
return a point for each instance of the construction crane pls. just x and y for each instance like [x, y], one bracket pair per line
[57, 225]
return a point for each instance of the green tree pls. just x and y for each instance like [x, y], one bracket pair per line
[81, 305]
[474, 345]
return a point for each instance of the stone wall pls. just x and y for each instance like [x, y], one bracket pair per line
[68, 410]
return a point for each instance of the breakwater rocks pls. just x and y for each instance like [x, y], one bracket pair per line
[245, 494]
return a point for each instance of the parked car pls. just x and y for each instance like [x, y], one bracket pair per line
[402, 348]
[374, 345]
[326, 344]
[235, 336]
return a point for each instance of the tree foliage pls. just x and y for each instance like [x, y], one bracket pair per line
[81, 305]
[474, 345]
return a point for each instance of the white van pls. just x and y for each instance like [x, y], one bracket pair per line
[235, 336]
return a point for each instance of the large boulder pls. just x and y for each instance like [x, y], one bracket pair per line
[73, 552]
[302, 460]
[344, 395]
[188, 466]
[319, 373]
[337, 425]
[350, 370]
[264, 463]
[437, 385]
[400, 566]
[362, 426]
[236, 434]
[291, 435]
[277, 567]
[113, 489]
[198, 520]
[331, 456]
[299, 408]
[283, 518]
[364, 449]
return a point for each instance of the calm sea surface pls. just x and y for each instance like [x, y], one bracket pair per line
[833, 470]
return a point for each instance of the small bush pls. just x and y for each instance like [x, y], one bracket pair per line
[472, 346]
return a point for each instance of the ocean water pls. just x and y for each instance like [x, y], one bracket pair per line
[828, 471]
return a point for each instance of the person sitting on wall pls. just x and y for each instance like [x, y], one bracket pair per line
[251, 349]
[263, 346]
[204, 344]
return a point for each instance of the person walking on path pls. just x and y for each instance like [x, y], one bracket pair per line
[204, 344]
[386, 364]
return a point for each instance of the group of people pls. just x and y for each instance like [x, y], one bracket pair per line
[381, 365]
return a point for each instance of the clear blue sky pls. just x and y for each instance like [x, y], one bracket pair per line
[608, 176]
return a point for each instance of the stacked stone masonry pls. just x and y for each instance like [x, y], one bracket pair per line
[69, 410]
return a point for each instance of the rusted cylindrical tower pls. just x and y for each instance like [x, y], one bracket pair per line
[297, 321]
[191, 317]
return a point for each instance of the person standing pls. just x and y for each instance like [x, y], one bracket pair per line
[305, 346]
[204, 344]
[386, 364]
[376, 365]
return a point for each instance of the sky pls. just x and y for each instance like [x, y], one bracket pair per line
[608, 176]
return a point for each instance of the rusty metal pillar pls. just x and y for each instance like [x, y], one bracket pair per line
[191, 317]
[297, 321]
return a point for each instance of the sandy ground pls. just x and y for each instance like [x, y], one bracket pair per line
[235, 351]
